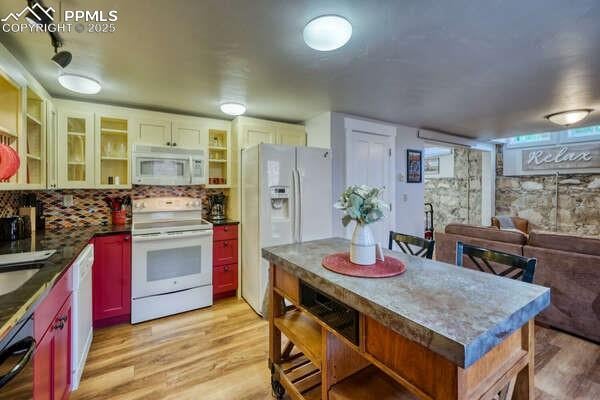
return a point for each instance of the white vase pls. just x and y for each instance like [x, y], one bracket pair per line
[363, 245]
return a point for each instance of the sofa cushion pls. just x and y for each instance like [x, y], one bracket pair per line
[560, 241]
[487, 233]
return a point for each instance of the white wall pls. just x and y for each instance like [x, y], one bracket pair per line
[409, 196]
[318, 131]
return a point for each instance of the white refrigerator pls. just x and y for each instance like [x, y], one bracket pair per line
[286, 198]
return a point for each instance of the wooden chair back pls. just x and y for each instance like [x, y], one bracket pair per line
[517, 267]
[424, 247]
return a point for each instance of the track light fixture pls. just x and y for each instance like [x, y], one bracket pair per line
[62, 58]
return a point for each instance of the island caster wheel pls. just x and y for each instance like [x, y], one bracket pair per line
[278, 389]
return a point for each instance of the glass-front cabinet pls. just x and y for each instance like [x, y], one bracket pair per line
[10, 127]
[113, 149]
[35, 141]
[76, 150]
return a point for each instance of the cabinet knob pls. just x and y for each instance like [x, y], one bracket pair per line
[174, 144]
[226, 268]
[225, 229]
[168, 143]
[126, 238]
[225, 244]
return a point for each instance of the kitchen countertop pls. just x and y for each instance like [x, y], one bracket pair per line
[456, 312]
[224, 222]
[68, 243]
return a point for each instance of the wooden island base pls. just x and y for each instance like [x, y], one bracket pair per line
[378, 363]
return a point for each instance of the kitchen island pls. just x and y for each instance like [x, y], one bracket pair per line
[435, 332]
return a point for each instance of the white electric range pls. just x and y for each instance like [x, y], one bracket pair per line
[171, 257]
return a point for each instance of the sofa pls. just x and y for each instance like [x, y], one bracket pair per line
[568, 264]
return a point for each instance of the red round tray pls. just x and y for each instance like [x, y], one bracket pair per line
[340, 263]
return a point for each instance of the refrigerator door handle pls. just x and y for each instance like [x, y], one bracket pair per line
[299, 203]
[293, 206]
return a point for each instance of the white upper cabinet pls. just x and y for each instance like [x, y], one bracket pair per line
[189, 135]
[252, 131]
[156, 132]
[293, 135]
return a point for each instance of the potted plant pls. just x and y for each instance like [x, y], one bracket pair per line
[364, 205]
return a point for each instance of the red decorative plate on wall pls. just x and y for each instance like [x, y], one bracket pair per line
[340, 263]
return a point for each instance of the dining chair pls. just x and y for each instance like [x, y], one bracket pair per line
[424, 247]
[517, 267]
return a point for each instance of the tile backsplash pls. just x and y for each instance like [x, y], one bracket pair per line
[89, 207]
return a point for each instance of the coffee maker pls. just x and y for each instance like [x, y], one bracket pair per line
[217, 207]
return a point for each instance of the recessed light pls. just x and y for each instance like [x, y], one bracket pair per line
[327, 32]
[233, 108]
[79, 83]
[566, 118]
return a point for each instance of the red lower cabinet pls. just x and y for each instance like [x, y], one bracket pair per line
[225, 258]
[52, 361]
[111, 280]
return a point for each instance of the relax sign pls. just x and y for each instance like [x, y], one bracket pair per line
[562, 157]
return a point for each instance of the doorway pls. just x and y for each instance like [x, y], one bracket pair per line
[454, 185]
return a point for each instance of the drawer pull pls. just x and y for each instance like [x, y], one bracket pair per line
[226, 268]
[225, 244]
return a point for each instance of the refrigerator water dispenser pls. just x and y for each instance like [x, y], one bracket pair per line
[280, 197]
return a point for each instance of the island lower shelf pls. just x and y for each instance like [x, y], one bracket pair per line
[330, 365]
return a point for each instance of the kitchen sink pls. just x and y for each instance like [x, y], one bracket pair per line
[12, 280]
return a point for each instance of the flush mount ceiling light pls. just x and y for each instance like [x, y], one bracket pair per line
[79, 83]
[566, 118]
[233, 108]
[327, 32]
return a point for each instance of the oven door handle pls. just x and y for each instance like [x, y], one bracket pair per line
[172, 235]
[27, 344]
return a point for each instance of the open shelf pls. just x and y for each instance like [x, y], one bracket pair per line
[33, 157]
[33, 119]
[304, 332]
[81, 134]
[218, 148]
[7, 132]
[114, 131]
[300, 378]
[114, 158]
[369, 383]
[217, 161]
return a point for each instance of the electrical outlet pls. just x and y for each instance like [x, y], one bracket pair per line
[405, 197]
[68, 200]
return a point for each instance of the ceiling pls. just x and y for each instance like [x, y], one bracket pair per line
[473, 68]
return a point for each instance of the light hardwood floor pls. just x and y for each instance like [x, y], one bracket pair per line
[221, 354]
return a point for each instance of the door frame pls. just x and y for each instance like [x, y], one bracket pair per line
[379, 129]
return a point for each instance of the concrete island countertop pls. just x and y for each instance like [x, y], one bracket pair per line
[68, 243]
[456, 312]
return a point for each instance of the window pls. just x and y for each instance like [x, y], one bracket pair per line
[581, 134]
[534, 139]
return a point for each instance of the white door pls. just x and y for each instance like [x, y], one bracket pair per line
[313, 167]
[369, 161]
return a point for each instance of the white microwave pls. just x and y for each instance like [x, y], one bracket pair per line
[161, 165]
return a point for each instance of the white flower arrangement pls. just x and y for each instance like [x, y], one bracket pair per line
[362, 204]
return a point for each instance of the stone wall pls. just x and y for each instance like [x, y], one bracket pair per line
[457, 199]
[534, 198]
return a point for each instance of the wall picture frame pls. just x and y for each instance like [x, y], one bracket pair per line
[432, 166]
[414, 166]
